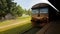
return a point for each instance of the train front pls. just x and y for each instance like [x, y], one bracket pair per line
[39, 15]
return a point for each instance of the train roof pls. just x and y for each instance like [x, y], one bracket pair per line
[39, 5]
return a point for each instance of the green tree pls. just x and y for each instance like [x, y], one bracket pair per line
[19, 10]
[3, 8]
[27, 12]
[7, 6]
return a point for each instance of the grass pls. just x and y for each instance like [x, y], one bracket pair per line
[12, 20]
[15, 29]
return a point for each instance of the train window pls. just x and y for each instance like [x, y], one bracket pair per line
[35, 11]
[43, 10]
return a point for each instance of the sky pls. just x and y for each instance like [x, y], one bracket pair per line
[27, 3]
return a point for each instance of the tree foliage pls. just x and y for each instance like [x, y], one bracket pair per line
[19, 10]
[7, 6]
[27, 12]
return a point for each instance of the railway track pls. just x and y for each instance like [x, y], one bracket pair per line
[33, 30]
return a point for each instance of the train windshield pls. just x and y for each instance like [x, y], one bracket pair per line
[35, 11]
[43, 10]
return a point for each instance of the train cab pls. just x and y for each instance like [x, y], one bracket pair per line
[40, 14]
[43, 13]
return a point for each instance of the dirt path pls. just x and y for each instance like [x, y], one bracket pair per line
[14, 24]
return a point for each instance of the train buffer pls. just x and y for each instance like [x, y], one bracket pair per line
[50, 28]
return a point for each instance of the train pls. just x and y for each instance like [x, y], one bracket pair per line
[42, 13]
